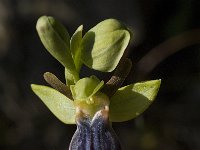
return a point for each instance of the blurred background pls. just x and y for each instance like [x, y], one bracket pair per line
[172, 122]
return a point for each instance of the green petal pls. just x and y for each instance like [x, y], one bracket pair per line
[56, 40]
[61, 106]
[104, 45]
[130, 101]
[75, 47]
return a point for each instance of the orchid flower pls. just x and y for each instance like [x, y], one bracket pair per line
[88, 102]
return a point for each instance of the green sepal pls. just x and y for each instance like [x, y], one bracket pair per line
[130, 101]
[104, 45]
[56, 40]
[61, 106]
[75, 43]
[86, 88]
[70, 78]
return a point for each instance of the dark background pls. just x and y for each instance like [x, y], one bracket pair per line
[173, 120]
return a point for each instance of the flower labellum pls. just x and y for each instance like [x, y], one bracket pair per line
[95, 134]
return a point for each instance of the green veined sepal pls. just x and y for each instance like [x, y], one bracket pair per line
[61, 106]
[132, 100]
